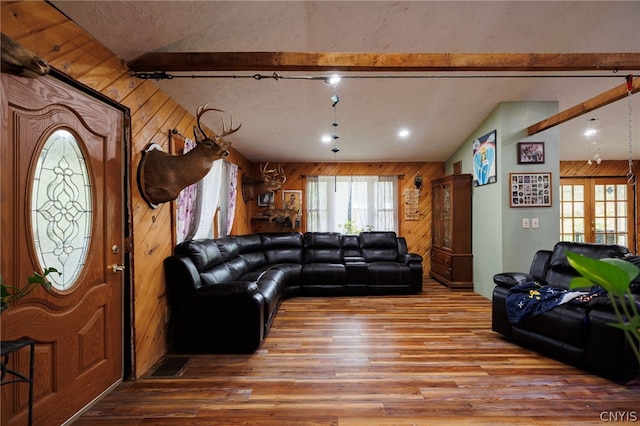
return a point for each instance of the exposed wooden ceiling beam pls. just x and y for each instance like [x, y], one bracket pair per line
[615, 94]
[336, 61]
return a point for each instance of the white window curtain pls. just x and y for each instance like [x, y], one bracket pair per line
[197, 203]
[351, 204]
[208, 200]
[228, 197]
[186, 204]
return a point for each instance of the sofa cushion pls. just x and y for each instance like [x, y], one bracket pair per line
[228, 247]
[334, 274]
[379, 246]
[204, 253]
[388, 273]
[215, 275]
[282, 247]
[560, 272]
[351, 248]
[237, 266]
[254, 260]
[250, 243]
[322, 247]
[635, 284]
[565, 323]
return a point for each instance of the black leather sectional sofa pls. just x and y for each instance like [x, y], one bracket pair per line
[224, 293]
[577, 332]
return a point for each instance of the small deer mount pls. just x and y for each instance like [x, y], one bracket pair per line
[19, 61]
[272, 180]
[161, 176]
[273, 213]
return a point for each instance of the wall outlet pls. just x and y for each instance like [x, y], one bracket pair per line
[534, 223]
[525, 222]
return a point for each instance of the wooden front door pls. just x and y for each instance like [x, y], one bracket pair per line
[62, 206]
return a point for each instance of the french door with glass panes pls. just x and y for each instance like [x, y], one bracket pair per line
[597, 210]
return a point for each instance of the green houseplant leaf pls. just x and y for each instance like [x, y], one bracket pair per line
[10, 294]
[615, 276]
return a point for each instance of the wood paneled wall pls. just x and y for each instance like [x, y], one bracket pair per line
[417, 233]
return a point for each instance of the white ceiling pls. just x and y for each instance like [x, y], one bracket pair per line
[283, 120]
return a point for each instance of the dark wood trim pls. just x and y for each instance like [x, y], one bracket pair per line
[344, 61]
[615, 94]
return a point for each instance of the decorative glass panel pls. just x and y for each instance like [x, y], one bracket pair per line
[61, 208]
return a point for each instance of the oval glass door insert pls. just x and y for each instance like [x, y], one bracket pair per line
[61, 210]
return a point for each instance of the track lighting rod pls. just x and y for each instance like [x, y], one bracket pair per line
[163, 75]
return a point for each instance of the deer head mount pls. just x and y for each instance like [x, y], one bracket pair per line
[272, 180]
[19, 61]
[161, 176]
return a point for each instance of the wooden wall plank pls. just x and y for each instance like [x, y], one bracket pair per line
[21, 19]
[82, 60]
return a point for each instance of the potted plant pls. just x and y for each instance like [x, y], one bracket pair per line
[615, 276]
[9, 294]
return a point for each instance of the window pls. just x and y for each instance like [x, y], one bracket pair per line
[352, 204]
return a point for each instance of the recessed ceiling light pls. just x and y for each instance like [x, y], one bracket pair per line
[334, 79]
[403, 133]
[326, 138]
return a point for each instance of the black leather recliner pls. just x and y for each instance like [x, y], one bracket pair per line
[578, 334]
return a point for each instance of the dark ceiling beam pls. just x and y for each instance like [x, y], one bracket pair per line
[615, 94]
[389, 62]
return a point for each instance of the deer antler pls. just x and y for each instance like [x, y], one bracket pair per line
[281, 174]
[267, 174]
[225, 132]
[276, 174]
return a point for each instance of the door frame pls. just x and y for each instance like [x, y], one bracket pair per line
[128, 355]
[633, 202]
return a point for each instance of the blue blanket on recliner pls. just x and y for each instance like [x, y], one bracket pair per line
[531, 298]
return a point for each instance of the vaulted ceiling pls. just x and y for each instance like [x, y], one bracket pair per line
[285, 111]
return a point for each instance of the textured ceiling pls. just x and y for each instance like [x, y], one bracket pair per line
[284, 119]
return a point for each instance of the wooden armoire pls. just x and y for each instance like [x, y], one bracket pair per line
[451, 257]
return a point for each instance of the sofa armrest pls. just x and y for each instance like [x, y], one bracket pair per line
[230, 289]
[181, 277]
[510, 279]
[407, 258]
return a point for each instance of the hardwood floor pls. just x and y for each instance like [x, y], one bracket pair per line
[404, 360]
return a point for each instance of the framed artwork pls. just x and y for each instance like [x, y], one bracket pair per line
[292, 200]
[484, 159]
[265, 199]
[530, 152]
[530, 189]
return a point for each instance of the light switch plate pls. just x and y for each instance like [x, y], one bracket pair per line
[525, 222]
